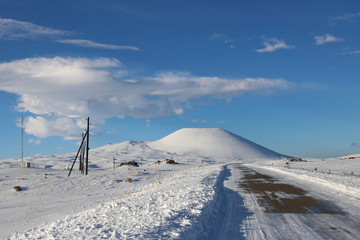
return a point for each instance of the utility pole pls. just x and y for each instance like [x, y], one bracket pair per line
[81, 149]
[87, 146]
[22, 140]
[82, 156]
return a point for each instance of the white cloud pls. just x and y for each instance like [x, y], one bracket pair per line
[63, 91]
[348, 16]
[179, 111]
[352, 52]
[311, 86]
[14, 29]
[273, 44]
[62, 126]
[35, 141]
[222, 37]
[327, 38]
[91, 44]
[355, 52]
[11, 29]
[148, 122]
[198, 121]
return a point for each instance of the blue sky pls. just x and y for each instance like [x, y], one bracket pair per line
[284, 74]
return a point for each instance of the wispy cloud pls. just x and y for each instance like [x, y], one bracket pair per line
[222, 37]
[348, 51]
[35, 141]
[198, 121]
[311, 86]
[13, 29]
[326, 38]
[69, 89]
[354, 52]
[273, 44]
[91, 44]
[355, 145]
[348, 16]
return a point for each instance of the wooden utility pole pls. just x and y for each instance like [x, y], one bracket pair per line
[77, 154]
[82, 157]
[87, 146]
[81, 150]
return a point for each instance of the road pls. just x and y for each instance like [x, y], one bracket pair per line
[255, 205]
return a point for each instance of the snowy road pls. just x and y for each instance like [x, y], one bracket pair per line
[231, 201]
[201, 197]
[273, 208]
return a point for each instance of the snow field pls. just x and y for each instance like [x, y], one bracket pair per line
[172, 201]
[169, 207]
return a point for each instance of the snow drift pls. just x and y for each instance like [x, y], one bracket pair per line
[214, 143]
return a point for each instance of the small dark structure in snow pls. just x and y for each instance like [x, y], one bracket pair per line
[130, 163]
[28, 165]
[128, 180]
[296, 159]
[350, 157]
[170, 161]
[17, 188]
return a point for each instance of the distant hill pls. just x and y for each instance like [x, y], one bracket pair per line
[213, 142]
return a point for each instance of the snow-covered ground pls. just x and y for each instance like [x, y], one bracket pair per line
[200, 197]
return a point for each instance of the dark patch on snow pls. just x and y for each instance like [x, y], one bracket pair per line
[277, 197]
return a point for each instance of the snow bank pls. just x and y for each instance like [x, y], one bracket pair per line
[163, 209]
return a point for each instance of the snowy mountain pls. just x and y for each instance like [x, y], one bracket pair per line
[214, 143]
[185, 145]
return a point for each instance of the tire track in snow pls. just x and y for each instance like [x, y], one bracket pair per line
[230, 221]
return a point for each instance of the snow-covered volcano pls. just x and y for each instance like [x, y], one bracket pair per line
[213, 142]
[185, 145]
